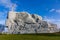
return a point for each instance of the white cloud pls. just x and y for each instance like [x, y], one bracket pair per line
[52, 10]
[52, 20]
[2, 16]
[3, 12]
[58, 11]
[55, 10]
[8, 4]
[2, 21]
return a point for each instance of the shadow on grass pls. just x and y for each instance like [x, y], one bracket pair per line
[43, 34]
[40, 34]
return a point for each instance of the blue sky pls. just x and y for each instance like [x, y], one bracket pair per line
[48, 9]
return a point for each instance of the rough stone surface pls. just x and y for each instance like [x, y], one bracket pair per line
[23, 22]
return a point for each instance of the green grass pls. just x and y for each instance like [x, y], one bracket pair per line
[30, 37]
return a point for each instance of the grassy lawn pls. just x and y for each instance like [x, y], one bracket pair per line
[30, 37]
